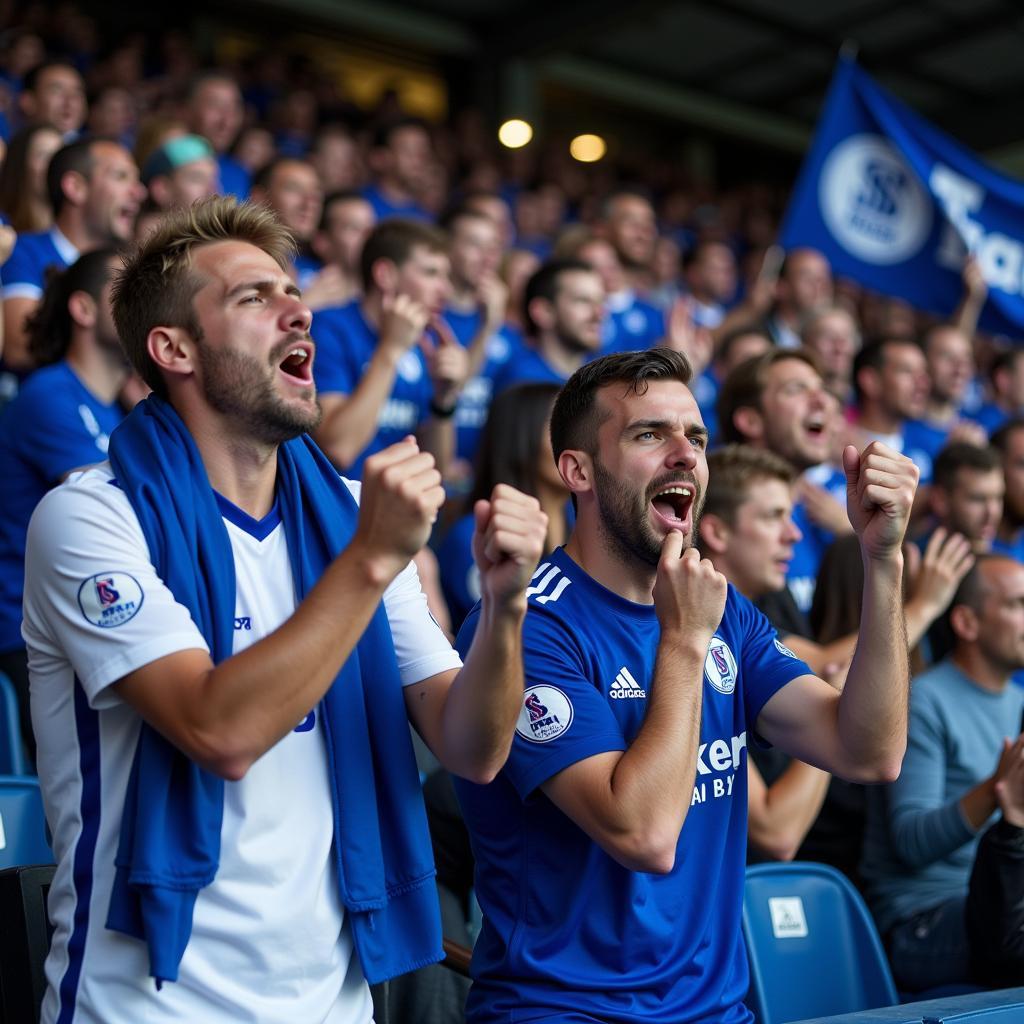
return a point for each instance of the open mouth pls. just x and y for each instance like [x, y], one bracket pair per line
[673, 504]
[297, 364]
[815, 426]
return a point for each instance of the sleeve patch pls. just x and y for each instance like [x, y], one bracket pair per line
[110, 599]
[545, 715]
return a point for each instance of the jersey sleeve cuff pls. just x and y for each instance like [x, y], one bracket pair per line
[21, 291]
[430, 665]
[565, 755]
[97, 682]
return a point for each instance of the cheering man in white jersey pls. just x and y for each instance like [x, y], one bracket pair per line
[610, 849]
[226, 651]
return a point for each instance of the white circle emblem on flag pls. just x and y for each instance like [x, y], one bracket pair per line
[720, 666]
[545, 715]
[872, 202]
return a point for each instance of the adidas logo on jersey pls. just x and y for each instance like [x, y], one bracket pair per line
[548, 573]
[624, 685]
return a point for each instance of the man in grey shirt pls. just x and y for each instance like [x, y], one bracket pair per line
[923, 829]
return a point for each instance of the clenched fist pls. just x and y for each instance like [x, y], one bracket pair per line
[507, 543]
[880, 488]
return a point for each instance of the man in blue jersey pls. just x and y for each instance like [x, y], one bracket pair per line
[629, 223]
[387, 365]
[53, 93]
[227, 650]
[563, 307]
[967, 493]
[400, 162]
[630, 322]
[710, 272]
[291, 188]
[891, 386]
[214, 109]
[345, 224]
[611, 846]
[179, 173]
[476, 313]
[61, 420]
[778, 401]
[95, 192]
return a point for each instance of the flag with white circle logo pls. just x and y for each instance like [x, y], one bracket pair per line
[896, 204]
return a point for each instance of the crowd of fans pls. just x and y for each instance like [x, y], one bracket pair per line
[454, 290]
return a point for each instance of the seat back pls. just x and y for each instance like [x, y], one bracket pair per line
[1012, 1013]
[12, 751]
[812, 945]
[22, 822]
[24, 941]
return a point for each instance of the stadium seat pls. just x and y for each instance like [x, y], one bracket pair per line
[12, 752]
[24, 941]
[22, 823]
[1012, 1013]
[812, 945]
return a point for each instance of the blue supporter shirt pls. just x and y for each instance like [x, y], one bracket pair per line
[24, 274]
[990, 416]
[808, 552]
[307, 267]
[345, 343]
[705, 390]
[460, 577]
[384, 207]
[235, 180]
[475, 398]
[919, 436]
[568, 933]
[54, 425]
[528, 366]
[630, 324]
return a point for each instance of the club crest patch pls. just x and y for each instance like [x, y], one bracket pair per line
[720, 666]
[545, 715]
[110, 599]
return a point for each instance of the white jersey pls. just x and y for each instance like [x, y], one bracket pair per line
[269, 941]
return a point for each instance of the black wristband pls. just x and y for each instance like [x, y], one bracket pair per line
[441, 412]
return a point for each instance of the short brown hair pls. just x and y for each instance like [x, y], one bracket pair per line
[574, 419]
[744, 386]
[157, 286]
[731, 471]
[394, 239]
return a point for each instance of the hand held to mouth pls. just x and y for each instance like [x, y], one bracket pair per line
[689, 593]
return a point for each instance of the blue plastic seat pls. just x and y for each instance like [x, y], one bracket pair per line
[22, 823]
[12, 751]
[813, 948]
[1012, 1013]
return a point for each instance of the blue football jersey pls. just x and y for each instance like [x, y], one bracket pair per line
[56, 424]
[345, 343]
[475, 398]
[568, 931]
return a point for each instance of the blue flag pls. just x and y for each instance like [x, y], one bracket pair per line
[897, 205]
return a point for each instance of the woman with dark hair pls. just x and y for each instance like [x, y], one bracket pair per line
[23, 196]
[514, 449]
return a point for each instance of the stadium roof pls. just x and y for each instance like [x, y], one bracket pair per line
[755, 69]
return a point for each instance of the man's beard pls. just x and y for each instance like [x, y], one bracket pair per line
[625, 514]
[238, 385]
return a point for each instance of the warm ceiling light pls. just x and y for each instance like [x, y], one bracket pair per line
[514, 134]
[588, 149]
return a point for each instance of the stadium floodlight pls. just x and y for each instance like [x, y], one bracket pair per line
[588, 149]
[515, 133]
